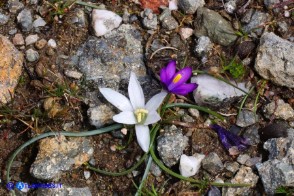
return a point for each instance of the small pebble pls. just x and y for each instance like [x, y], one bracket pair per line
[185, 33]
[31, 39]
[40, 44]
[243, 158]
[287, 14]
[18, 39]
[12, 31]
[39, 22]
[124, 131]
[73, 74]
[113, 148]
[50, 51]
[32, 55]
[52, 43]
[194, 112]
[87, 175]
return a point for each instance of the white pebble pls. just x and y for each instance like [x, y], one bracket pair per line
[173, 5]
[103, 21]
[52, 43]
[286, 13]
[31, 39]
[189, 165]
[87, 175]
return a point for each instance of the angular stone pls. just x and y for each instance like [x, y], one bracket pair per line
[59, 154]
[10, 69]
[275, 60]
[245, 175]
[212, 163]
[212, 24]
[279, 109]
[109, 59]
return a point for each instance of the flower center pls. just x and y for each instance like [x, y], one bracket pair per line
[177, 78]
[141, 115]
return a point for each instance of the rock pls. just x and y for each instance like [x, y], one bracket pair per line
[245, 49]
[255, 26]
[171, 144]
[64, 191]
[194, 112]
[168, 22]
[12, 31]
[279, 169]
[100, 115]
[3, 18]
[58, 155]
[274, 130]
[155, 169]
[14, 6]
[270, 3]
[247, 16]
[40, 44]
[283, 27]
[213, 92]
[79, 18]
[18, 39]
[189, 165]
[232, 166]
[246, 118]
[103, 21]
[149, 19]
[251, 135]
[253, 161]
[24, 18]
[87, 174]
[242, 158]
[10, 69]
[203, 46]
[39, 22]
[279, 109]
[73, 74]
[190, 6]
[212, 163]
[52, 43]
[32, 55]
[245, 175]
[230, 6]
[31, 39]
[212, 24]
[185, 33]
[214, 191]
[275, 60]
[173, 5]
[109, 60]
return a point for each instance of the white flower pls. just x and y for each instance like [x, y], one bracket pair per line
[134, 111]
[189, 165]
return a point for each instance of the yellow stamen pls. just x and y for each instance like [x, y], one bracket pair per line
[141, 115]
[177, 78]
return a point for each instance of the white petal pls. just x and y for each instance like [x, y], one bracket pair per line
[143, 136]
[117, 99]
[125, 117]
[155, 101]
[189, 165]
[135, 92]
[152, 117]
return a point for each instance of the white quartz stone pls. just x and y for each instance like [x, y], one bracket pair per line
[189, 165]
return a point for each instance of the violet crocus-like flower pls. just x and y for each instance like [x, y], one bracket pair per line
[232, 142]
[134, 111]
[175, 82]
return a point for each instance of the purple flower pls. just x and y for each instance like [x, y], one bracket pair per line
[231, 141]
[175, 82]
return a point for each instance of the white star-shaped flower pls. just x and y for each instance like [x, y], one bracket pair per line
[134, 111]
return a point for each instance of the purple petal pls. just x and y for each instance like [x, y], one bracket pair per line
[229, 139]
[180, 78]
[167, 73]
[184, 89]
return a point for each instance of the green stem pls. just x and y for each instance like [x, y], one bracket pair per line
[244, 99]
[71, 134]
[204, 109]
[87, 4]
[144, 175]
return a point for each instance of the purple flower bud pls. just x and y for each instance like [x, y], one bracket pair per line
[175, 82]
[230, 139]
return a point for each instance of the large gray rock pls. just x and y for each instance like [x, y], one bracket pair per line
[212, 24]
[25, 20]
[275, 60]
[279, 169]
[58, 154]
[109, 59]
[171, 145]
[213, 92]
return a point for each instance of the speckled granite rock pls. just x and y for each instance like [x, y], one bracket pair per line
[10, 69]
[58, 154]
